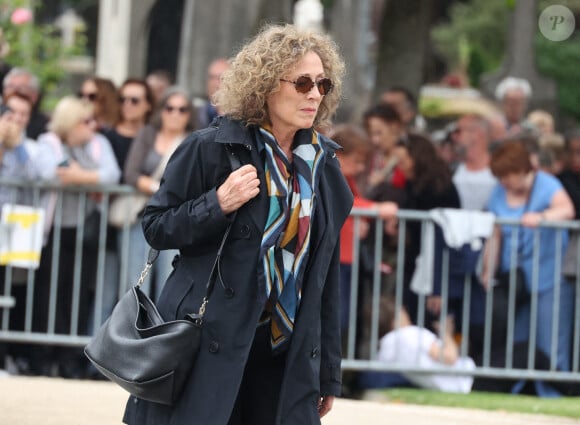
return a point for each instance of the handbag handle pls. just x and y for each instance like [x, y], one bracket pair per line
[154, 253]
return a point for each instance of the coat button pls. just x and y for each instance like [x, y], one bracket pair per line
[229, 292]
[214, 347]
[315, 352]
[245, 230]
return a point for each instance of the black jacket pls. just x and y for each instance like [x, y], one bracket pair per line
[185, 214]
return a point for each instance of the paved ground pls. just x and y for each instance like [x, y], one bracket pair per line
[52, 401]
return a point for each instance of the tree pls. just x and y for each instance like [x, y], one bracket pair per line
[483, 25]
[473, 39]
[404, 43]
[561, 61]
[36, 47]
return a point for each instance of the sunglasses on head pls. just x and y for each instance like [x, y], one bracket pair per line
[304, 84]
[134, 100]
[91, 97]
[180, 109]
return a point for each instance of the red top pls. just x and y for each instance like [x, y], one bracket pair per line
[398, 179]
[347, 231]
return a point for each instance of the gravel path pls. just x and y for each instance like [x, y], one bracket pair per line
[52, 401]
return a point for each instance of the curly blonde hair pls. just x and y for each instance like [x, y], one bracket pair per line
[256, 70]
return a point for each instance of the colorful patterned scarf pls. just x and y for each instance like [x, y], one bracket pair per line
[286, 240]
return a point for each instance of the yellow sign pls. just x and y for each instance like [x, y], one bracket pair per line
[21, 234]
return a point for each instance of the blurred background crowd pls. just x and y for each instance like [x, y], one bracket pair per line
[437, 93]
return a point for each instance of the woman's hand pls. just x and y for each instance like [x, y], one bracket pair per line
[240, 186]
[73, 174]
[325, 404]
[532, 219]
[9, 134]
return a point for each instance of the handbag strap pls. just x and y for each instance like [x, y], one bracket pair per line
[154, 253]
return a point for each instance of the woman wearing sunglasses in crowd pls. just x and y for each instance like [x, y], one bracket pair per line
[102, 93]
[271, 334]
[79, 156]
[146, 161]
[135, 102]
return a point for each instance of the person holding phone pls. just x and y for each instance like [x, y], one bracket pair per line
[20, 158]
[19, 155]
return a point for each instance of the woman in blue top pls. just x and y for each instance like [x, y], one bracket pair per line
[533, 197]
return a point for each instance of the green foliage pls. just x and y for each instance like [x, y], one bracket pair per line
[37, 47]
[561, 61]
[481, 26]
[479, 63]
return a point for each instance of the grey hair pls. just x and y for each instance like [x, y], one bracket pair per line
[513, 83]
[34, 83]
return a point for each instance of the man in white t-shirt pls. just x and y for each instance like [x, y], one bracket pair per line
[473, 178]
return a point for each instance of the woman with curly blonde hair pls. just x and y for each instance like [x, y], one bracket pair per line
[271, 334]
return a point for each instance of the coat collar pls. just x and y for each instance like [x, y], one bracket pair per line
[236, 132]
[231, 131]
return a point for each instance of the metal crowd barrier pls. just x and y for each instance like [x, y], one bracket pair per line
[353, 361]
[36, 194]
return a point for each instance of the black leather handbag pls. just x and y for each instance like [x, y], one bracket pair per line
[142, 353]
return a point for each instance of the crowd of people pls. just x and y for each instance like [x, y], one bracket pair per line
[513, 164]
[102, 135]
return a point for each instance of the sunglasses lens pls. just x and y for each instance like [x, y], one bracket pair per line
[88, 96]
[303, 84]
[133, 100]
[324, 86]
[180, 109]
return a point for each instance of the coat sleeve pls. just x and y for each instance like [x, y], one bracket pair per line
[185, 212]
[330, 372]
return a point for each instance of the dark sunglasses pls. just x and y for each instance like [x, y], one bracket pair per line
[91, 97]
[180, 109]
[304, 84]
[134, 100]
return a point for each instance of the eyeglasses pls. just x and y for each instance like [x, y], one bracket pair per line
[304, 84]
[180, 109]
[91, 97]
[133, 99]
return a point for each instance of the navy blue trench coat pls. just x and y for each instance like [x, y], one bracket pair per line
[185, 214]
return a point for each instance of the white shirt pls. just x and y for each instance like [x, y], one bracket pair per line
[474, 187]
[409, 346]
